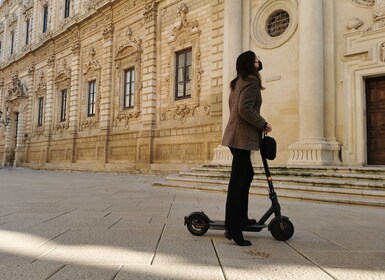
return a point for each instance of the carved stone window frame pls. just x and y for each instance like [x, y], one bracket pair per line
[128, 56]
[62, 82]
[262, 13]
[91, 72]
[41, 91]
[185, 35]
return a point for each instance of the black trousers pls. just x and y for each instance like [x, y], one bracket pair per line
[237, 202]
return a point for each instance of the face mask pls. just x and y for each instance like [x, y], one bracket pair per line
[260, 66]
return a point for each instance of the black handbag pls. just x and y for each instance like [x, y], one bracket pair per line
[268, 147]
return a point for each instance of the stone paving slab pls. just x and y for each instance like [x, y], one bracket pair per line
[62, 225]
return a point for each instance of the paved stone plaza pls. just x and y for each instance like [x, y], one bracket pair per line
[61, 225]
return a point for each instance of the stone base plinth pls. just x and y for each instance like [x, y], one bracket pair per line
[316, 152]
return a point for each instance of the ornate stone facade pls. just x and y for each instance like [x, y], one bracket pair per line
[97, 89]
[95, 45]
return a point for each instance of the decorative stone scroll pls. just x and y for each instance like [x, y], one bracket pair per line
[179, 112]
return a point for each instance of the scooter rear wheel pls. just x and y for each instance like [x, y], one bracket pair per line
[197, 224]
[283, 230]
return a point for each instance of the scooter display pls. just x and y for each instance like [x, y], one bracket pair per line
[280, 227]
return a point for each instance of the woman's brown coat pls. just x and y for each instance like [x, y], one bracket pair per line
[245, 126]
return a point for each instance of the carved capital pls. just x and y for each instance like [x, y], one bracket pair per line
[76, 48]
[149, 13]
[108, 32]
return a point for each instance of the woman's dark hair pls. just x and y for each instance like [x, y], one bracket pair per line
[245, 67]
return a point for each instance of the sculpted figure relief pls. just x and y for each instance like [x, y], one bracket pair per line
[379, 9]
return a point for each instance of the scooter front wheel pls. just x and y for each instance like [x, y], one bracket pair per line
[197, 224]
[283, 230]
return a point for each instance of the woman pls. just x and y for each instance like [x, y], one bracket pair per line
[243, 133]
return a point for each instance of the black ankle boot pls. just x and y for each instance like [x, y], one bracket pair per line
[237, 237]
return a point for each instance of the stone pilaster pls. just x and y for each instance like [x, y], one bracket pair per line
[49, 110]
[232, 48]
[106, 81]
[312, 148]
[148, 98]
[106, 78]
[20, 147]
[74, 94]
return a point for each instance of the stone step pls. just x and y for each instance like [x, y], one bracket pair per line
[300, 173]
[373, 170]
[335, 181]
[305, 193]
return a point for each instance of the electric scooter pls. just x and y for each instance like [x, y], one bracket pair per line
[280, 227]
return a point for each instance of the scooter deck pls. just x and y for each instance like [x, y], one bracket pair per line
[220, 225]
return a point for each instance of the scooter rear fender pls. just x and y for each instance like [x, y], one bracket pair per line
[196, 213]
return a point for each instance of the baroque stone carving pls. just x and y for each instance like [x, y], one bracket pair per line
[378, 15]
[42, 82]
[12, 19]
[43, 2]
[108, 31]
[133, 42]
[183, 24]
[60, 128]
[149, 12]
[127, 116]
[63, 71]
[379, 10]
[364, 3]
[16, 90]
[92, 63]
[88, 125]
[92, 4]
[382, 52]
[354, 24]
[179, 112]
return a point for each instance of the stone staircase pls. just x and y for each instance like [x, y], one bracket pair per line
[345, 185]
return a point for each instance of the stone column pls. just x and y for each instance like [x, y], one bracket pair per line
[148, 98]
[232, 48]
[311, 148]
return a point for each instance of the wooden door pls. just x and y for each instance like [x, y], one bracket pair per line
[375, 120]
